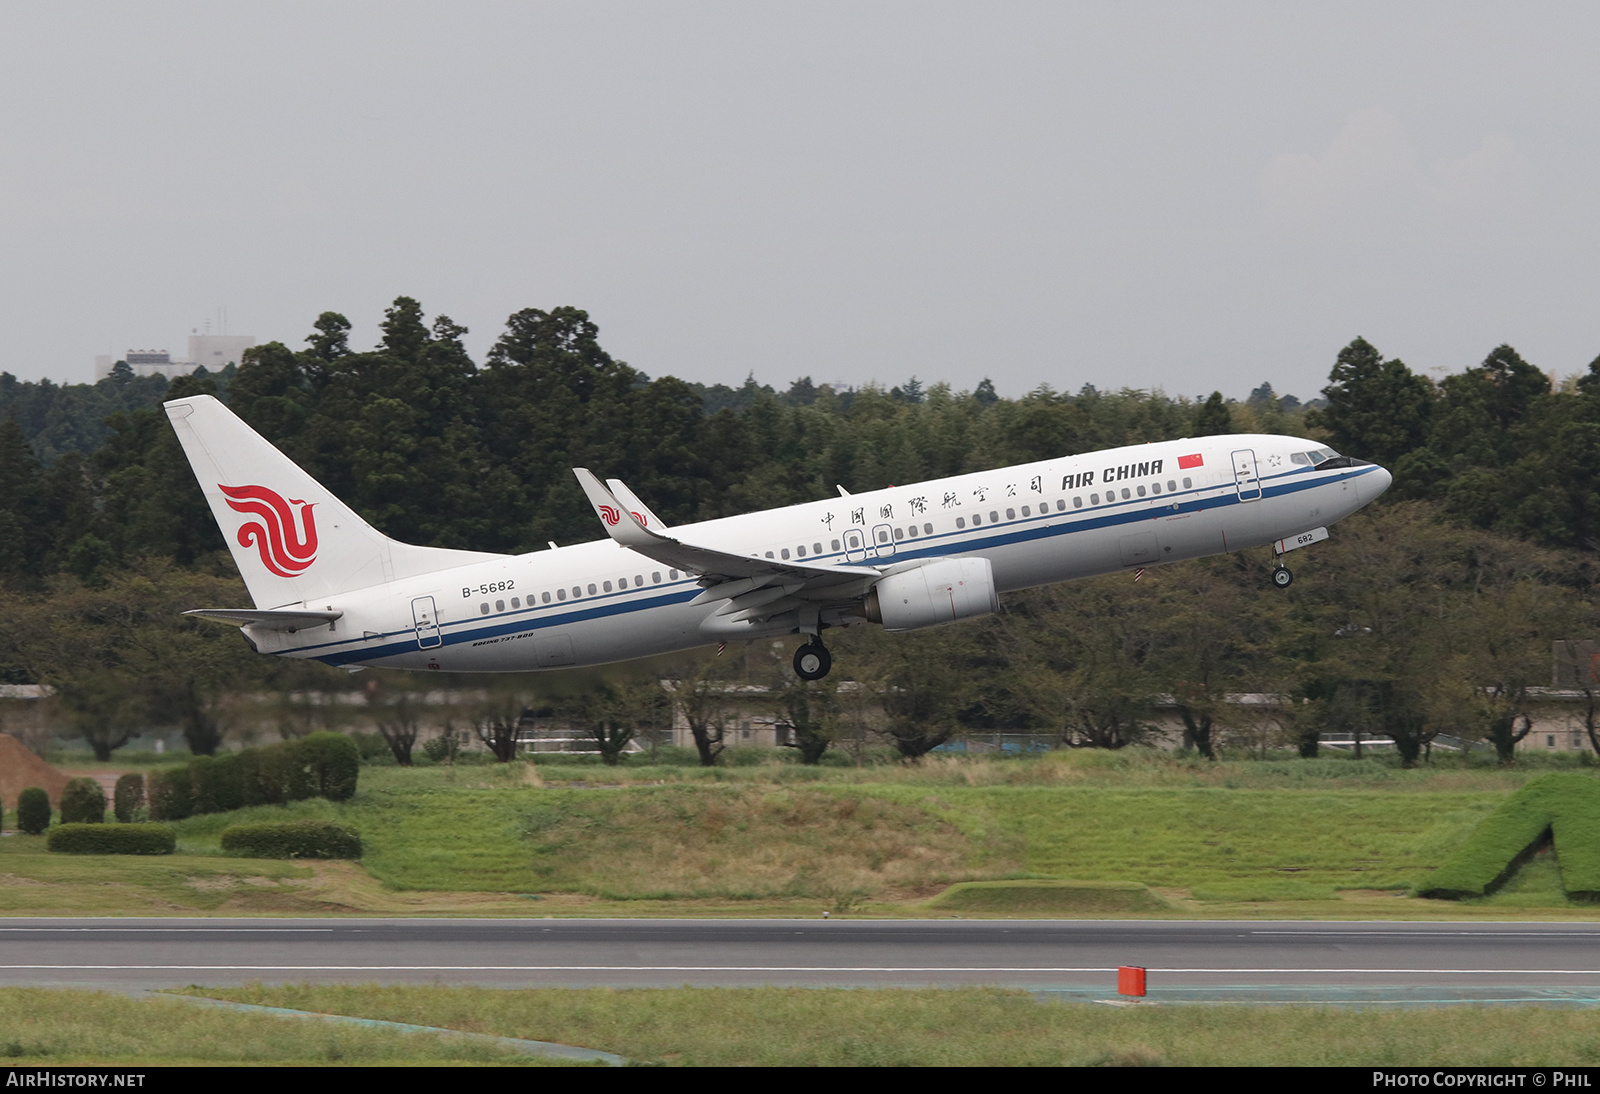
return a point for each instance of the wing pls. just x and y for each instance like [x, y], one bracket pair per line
[754, 587]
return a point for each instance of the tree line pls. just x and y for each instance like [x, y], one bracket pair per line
[1466, 572]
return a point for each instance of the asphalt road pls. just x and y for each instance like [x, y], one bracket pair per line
[1435, 959]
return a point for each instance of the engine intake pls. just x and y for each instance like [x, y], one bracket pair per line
[940, 592]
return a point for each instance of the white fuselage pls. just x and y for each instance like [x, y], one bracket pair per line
[1036, 523]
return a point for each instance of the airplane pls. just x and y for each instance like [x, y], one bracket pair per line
[329, 587]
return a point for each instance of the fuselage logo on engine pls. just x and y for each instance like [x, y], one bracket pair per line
[285, 537]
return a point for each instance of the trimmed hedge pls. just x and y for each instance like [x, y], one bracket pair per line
[321, 765]
[1564, 805]
[292, 839]
[83, 802]
[215, 783]
[171, 794]
[111, 839]
[33, 810]
[333, 761]
[128, 796]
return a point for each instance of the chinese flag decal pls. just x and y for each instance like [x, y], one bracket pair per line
[1186, 462]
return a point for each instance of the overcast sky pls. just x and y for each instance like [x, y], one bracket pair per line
[1184, 196]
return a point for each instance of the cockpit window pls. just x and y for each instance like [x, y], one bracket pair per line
[1312, 458]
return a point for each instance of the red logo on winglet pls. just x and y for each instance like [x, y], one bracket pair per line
[285, 549]
[1186, 462]
[609, 515]
[640, 518]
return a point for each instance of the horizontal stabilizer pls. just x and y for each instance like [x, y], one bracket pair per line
[282, 620]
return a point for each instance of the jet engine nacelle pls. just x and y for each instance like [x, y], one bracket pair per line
[940, 592]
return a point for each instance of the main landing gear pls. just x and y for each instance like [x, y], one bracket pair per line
[812, 660]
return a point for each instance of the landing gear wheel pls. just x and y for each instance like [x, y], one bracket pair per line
[812, 661]
[1281, 577]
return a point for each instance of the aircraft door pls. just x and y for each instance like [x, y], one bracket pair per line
[883, 541]
[426, 620]
[1245, 476]
[855, 545]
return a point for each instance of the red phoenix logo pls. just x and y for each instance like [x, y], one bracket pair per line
[287, 547]
[640, 518]
[609, 515]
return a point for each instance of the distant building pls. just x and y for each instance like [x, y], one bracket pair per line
[214, 351]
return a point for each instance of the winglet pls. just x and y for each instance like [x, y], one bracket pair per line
[641, 512]
[619, 523]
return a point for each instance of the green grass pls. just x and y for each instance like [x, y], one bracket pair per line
[34, 881]
[1043, 897]
[1566, 804]
[980, 1027]
[1330, 837]
[59, 1028]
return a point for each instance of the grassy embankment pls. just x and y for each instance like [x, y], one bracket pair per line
[1279, 838]
[778, 1027]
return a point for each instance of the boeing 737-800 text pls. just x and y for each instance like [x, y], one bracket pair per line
[329, 586]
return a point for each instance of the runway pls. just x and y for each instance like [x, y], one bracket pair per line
[1187, 960]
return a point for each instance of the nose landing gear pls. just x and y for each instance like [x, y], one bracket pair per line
[812, 661]
[1281, 577]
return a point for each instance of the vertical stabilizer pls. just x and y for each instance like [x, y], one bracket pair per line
[293, 541]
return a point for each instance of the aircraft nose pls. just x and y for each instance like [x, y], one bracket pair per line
[1374, 483]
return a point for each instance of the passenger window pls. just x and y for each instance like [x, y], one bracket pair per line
[673, 574]
[516, 602]
[1171, 486]
[1011, 514]
[561, 594]
[1141, 491]
[499, 605]
[899, 533]
[592, 589]
[994, 517]
[769, 554]
[1188, 483]
[927, 529]
[816, 548]
[1124, 493]
[802, 550]
[1094, 499]
[784, 552]
[1155, 488]
[835, 545]
[961, 522]
[655, 576]
[976, 520]
[545, 597]
[883, 536]
[638, 581]
[1077, 503]
[1026, 511]
[483, 609]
